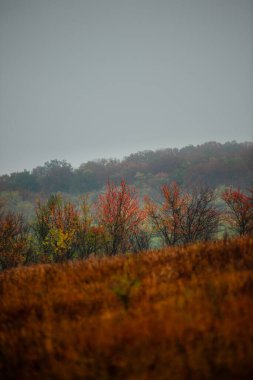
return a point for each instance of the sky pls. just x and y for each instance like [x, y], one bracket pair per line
[87, 79]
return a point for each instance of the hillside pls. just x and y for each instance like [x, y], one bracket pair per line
[177, 313]
[212, 164]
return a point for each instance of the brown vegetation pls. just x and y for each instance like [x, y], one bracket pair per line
[14, 239]
[177, 313]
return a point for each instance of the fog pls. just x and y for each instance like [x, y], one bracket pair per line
[88, 79]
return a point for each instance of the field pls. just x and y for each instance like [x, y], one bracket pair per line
[176, 313]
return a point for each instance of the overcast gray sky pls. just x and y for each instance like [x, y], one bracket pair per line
[85, 79]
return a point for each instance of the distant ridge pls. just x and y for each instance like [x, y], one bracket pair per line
[212, 164]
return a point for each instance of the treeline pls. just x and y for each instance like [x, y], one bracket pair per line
[211, 164]
[117, 223]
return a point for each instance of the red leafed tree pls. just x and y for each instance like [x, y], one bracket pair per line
[118, 211]
[240, 211]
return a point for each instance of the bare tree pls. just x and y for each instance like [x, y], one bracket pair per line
[184, 217]
[201, 218]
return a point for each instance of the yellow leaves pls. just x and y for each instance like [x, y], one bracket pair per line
[58, 242]
[64, 232]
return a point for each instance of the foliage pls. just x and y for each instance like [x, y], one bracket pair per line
[91, 238]
[178, 313]
[166, 217]
[119, 213]
[55, 228]
[201, 219]
[115, 223]
[240, 211]
[211, 164]
[183, 217]
[14, 239]
[65, 232]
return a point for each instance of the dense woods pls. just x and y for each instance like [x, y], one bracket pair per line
[211, 164]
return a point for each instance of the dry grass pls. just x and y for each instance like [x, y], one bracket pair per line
[184, 313]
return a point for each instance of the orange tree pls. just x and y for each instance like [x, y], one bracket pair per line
[119, 213]
[240, 211]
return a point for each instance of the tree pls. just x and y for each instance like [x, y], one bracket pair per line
[14, 240]
[140, 239]
[201, 218]
[119, 213]
[91, 238]
[166, 217]
[56, 228]
[184, 217]
[54, 176]
[240, 211]
[64, 231]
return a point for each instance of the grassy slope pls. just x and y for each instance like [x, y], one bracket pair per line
[173, 314]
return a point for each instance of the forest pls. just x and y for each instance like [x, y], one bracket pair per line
[212, 164]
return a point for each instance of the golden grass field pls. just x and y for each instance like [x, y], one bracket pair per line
[176, 313]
